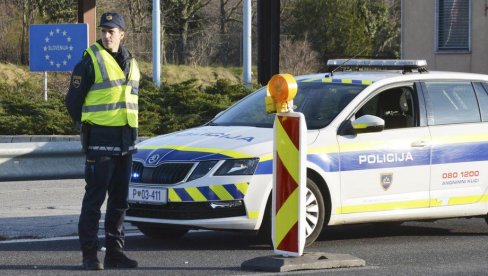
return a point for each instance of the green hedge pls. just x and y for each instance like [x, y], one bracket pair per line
[161, 110]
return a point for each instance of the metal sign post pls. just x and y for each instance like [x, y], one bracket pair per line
[45, 85]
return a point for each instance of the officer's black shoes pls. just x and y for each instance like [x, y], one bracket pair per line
[115, 258]
[92, 264]
[90, 260]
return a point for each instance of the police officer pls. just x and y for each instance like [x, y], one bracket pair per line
[102, 98]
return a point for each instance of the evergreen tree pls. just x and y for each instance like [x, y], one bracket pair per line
[344, 28]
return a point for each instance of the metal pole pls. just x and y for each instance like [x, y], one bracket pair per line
[45, 85]
[247, 46]
[268, 39]
[156, 30]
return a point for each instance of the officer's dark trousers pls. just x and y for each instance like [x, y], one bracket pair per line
[104, 174]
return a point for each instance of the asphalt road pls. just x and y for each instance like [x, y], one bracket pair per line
[40, 209]
[447, 247]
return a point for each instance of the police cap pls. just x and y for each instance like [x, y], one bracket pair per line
[112, 20]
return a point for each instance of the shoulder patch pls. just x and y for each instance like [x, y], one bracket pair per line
[76, 81]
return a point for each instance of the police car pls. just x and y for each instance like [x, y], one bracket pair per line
[387, 141]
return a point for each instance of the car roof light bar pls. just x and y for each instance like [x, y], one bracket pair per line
[406, 65]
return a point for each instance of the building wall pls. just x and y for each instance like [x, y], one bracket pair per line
[418, 38]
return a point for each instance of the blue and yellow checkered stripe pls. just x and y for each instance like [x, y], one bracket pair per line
[234, 191]
[343, 81]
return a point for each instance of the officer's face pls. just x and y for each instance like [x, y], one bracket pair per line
[111, 38]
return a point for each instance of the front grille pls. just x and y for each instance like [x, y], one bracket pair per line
[171, 173]
[166, 173]
[186, 210]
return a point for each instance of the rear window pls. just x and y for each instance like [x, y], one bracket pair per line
[452, 103]
[320, 102]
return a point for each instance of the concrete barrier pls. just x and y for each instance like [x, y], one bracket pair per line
[38, 138]
[41, 157]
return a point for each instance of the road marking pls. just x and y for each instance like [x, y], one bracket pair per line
[60, 239]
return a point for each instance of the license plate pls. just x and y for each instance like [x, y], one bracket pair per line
[148, 195]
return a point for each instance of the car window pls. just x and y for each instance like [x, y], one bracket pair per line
[451, 103]
[250, 111]
[482, 94]
[320, 102]
[395, 106]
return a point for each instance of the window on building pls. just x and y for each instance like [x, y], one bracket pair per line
[453, 30]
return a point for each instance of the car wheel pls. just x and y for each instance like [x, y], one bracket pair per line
[314, 217]
[314, 212]
[160, 233]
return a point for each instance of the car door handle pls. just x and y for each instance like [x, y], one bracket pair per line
[418, 144]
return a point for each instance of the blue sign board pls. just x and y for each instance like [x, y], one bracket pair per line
[56, 47]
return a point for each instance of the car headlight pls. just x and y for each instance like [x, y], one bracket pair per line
[202, 169]
[238, 167]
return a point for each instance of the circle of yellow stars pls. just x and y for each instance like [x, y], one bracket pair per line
[67, 38]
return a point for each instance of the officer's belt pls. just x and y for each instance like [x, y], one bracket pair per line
[105, 148]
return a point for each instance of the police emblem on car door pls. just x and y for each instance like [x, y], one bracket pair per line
[386, 179]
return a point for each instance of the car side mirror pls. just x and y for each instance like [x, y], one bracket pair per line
[368, 123]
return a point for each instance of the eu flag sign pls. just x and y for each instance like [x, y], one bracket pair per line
[56, 47]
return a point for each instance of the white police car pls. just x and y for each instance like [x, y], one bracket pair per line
[395, 143]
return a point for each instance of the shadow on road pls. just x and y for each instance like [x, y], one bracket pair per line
[40, 267]
[162, 269]
[450, 227]
[196, 240]
[204, 240]
[224, 240]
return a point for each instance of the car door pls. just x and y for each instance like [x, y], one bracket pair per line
[387, 170]
[459, 141]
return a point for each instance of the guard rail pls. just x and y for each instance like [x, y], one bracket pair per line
[40, 157]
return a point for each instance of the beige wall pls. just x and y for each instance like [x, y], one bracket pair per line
[418, 38]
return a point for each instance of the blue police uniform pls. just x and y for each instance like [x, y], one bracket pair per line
[102, 98]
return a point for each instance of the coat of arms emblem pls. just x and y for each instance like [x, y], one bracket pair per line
[386, 180]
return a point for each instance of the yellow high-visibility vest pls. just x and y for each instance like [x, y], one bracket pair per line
[113, 98]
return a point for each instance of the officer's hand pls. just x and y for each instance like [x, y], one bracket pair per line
[77, 125]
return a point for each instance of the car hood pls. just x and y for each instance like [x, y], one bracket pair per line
[209, 143]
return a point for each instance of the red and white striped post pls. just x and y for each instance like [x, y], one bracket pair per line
[289, 174]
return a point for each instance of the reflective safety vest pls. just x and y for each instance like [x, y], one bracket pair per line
[113, 98]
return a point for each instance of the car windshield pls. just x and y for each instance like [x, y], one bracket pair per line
[320, 102]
